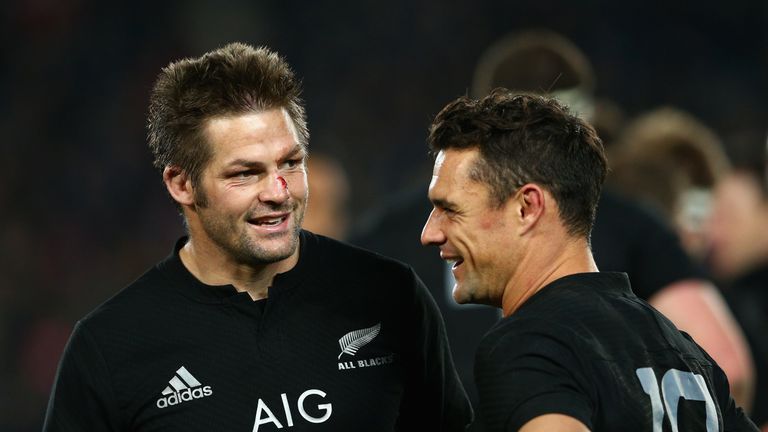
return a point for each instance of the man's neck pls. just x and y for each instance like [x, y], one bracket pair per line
[542, 266]
[213, 266]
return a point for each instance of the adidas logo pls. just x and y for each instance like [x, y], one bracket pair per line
[181, 388]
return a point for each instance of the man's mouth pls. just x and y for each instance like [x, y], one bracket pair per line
[455, 262]
[269, 221]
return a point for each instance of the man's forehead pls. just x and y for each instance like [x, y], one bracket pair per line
[438, 174]
[255, 120]
[251, 138]
[452, 171]
[455, 163]
[439, 159]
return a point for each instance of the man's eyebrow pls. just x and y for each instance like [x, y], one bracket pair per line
[244, 163]
[441, 203]
[295, 151]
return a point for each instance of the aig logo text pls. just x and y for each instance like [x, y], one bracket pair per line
[264, 415]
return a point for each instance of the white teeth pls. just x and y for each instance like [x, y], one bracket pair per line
[455, 262]
[271, 222]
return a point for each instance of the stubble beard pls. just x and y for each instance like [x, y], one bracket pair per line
[470, 291]
[462, 295]
[232, 236]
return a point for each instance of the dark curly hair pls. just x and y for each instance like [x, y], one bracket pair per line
[526, 138]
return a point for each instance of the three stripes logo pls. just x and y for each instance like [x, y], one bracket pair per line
[181, 388]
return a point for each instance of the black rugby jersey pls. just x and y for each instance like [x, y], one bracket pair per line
[346, 341]
[626, 237]
[748, 298]
[587, 347]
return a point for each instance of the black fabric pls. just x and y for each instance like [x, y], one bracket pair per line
[576, 348]
[748, 299]
[395, 231]
[628, 237]
[251, 360]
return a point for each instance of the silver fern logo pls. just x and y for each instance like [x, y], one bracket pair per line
[356, 339]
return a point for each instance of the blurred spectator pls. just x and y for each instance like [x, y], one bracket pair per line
[327, 210]
[538, 61]
[670, 160]
[738, 228]
[739, 258]
[625, 236]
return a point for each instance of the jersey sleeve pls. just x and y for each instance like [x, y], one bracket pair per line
[526, 374]
[734, 418]
[435, 399]
[82, 398]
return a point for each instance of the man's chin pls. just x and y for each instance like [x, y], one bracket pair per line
[269, 251]
[280, 253]
[262, 257]
[461, 297]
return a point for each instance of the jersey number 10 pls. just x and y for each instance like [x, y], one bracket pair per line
[676, 384]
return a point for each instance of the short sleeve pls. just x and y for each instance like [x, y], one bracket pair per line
[528, 373]
[82, 397]
[734, 418]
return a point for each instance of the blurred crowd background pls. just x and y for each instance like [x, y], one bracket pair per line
[83, 213]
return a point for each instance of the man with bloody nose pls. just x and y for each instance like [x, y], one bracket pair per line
[251, 323]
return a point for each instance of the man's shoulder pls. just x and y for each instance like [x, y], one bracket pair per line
[516, 343]
[138, 299]
[514, 334]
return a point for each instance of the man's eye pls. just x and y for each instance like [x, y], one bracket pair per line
[243, 174]
[292, 163]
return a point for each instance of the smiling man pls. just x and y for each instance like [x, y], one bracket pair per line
[251, 323]
[249, 204]
[515, 188]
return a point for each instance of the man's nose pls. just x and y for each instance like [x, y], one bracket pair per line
[431, 234]
[276, 189]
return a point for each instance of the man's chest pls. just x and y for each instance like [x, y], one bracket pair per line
[302, 371]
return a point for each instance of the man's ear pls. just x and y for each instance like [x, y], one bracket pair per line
[530, 205]
[179, 185]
